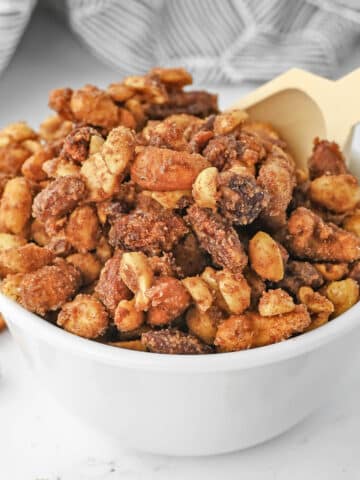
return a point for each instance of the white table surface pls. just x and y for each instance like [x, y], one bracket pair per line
[40, 441]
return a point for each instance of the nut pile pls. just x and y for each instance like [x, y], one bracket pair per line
[141, 217]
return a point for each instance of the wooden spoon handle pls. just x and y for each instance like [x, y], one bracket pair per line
[338, 101]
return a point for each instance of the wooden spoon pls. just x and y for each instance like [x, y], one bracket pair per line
[302, 106]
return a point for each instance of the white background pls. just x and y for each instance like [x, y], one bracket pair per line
[40, 441]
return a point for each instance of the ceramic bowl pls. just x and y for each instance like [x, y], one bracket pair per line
[188, 405]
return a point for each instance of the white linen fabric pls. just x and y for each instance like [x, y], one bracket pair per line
[226, 41]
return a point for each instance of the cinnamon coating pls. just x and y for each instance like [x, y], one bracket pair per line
[311, 238]
[218, 238]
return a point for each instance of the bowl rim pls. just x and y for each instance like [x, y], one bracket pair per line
[18, 318]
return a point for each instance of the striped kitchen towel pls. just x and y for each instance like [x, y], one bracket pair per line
[217, 40]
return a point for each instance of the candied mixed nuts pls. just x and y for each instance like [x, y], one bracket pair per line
[141, 217]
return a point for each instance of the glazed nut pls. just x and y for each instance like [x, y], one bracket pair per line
[24, 258]
[204, 324]
[178, 77]
[332, 271]
[15, 207]
[275, 302]
[83, 229]
[88, 264]
[343, 294]
[339, 193]
[209, 275]
[234, 334]
[60, 167]
[352, 224]
[18, 132]
[314, 301]
[199, 291]
[54, 128]
[162, 169]
[84, 316]
[235, 291]
[227, 122]
[105, 169]
[8, 240]
[205, 187]
[265, 257]
[170, 199]
[168, 298]
[136, 273]
[127, 317]
[10, 286]
[173, 341]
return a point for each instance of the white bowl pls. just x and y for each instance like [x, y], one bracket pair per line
[188, 405]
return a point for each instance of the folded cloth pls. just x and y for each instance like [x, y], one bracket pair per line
[225, 41]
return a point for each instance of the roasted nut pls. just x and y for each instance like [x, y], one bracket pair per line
[103, 250]
[252, 330]
[161, 169]
[352, 224]
[234, 290]
[218, 238]
[240, 198]
[168, 300]
[315, 302]
[10, 286]
[209, 275]
[87, 264]
[326, 159]
[189, 258]
[15, 206]
[298, 274]
[339, 193]
[227, 122]
[110, 289]
[199, 291]
[274, 329]
[83, 229]
[54, 128]
[170, 199]
[59, 167]
[311, 238]
[105, 170]
[32, 168]
[136, 273]
[76, 147]
[23, 259]
[49, 287]
[265, 257]
[60, 197]
[235, 333]
[343, 294]
[7, 240]
[127, 317]
[150, 230]
[173, 342]
[84, 316]
[319, 307]
[204, 188]
[173, 77]
[277, 178]
[332, 271]
[204, 324]
[275, 302]
[93, 106]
